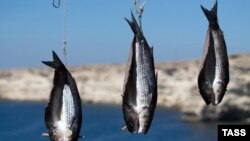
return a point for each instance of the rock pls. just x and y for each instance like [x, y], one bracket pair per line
[177, 87]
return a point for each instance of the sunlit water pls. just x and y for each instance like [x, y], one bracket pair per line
[24, 121]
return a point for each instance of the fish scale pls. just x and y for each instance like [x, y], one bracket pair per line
[143, 73]
[217, 56]
[68, 105]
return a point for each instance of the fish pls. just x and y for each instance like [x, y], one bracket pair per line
[140, 83]
[213, 76]
[63, 114]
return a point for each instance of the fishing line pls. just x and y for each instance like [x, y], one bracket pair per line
[56, 4]
[65, 32]
[139, 8]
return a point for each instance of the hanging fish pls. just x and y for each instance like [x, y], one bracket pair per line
[140, 84]
[63, 115]
[214, 71]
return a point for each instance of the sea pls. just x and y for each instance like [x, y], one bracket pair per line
[24, 121]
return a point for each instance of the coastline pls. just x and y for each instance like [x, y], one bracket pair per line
[102, 84]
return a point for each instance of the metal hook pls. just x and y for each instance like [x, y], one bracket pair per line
[65, 51]
[56, 5]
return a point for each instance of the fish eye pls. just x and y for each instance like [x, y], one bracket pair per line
[218, 91]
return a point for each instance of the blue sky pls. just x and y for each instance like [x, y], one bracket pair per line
[97, 32]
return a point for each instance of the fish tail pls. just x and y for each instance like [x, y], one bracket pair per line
[56, 63]
[133, 24]
[211, 15]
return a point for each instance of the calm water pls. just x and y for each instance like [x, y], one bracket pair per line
[23, 121]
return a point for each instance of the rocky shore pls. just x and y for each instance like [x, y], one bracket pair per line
[177, 87]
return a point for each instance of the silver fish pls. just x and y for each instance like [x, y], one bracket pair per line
[63, 115]
[140, 84]
[214, 70]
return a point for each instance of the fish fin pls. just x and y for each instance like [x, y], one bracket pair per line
[227, 91]
[45, 134]
[56, 63]
[53, 109]
[152, 51]
[129, 67]
[124, 128]
[128, 79]
[133, 24]
[195, 92]
[211, 15]
[154, 95]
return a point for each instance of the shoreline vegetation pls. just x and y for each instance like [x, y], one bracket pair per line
[177, 87]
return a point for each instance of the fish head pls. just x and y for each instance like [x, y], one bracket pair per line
[206, 91]
[145, 119]
[131, 119]
[219, 91]
[132, 125]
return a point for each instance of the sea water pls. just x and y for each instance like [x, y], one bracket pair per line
[24, 121]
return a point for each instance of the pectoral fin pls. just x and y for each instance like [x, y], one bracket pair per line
[45, 134]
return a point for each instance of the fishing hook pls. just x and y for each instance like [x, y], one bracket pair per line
[56, 5]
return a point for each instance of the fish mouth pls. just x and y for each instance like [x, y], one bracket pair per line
[139, 127]
[138, 122]
[218, 92]
[62, 135]
[216, 99]
[144, 120]
[213, 94]
[142, 130]
[215, 102]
